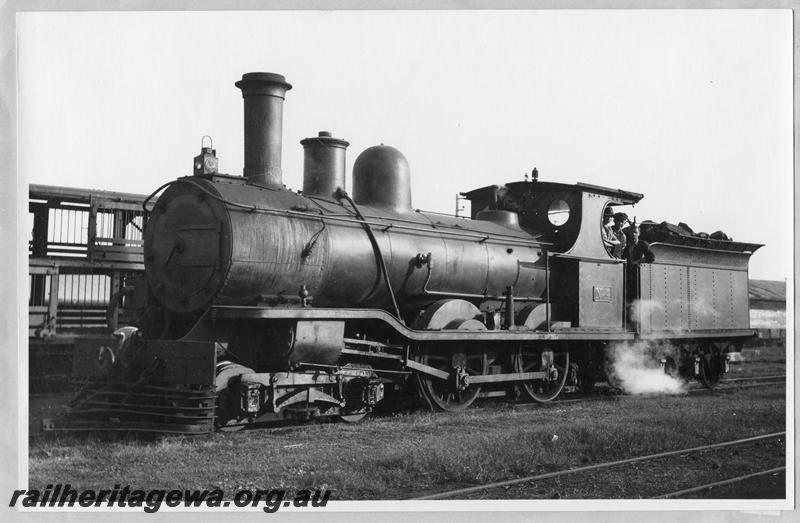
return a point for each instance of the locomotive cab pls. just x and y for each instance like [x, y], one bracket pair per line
[586, 282]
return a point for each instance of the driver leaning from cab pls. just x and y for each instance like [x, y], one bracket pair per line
[637, 251]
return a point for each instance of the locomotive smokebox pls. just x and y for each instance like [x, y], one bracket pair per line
[382, 178]
[263, 95]
[323, 164]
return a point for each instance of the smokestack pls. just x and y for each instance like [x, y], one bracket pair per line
[323, 164]
[263, 95]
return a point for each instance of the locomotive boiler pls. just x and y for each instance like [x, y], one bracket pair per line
[260, 302]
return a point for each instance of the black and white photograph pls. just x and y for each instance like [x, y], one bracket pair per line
[317, 260]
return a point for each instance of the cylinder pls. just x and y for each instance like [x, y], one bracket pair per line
[323, 164]
[263, 95]
[382, 178]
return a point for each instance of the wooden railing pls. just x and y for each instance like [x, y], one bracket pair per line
[84, 247]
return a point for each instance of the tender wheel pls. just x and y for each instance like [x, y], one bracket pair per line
[712, 364]
[707, 377]
[455, 394]
[555, 364]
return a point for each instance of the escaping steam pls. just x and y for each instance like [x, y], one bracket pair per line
[633, 369]
[651, 314]
[644, 309]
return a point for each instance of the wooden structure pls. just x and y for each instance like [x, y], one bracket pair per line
[85, 246]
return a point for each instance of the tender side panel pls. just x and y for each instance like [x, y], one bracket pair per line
[678, 299]
[664, 303]
[740, 299]
[702, 298]
[718, 299]
[692, 289]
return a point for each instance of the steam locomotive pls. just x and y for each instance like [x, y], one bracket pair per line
[263, 303]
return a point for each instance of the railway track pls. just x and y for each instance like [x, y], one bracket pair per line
[687, 475]
[607, 394]
[754, 378]
[746, 382]
[610, 394]
[729, 481]
[453, 494]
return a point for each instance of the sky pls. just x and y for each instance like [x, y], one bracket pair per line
[692, 108]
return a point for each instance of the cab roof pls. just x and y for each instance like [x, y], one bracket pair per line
[626, 197]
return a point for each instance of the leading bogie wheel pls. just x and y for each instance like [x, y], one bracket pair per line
[226, 419]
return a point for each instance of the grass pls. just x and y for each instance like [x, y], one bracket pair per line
[416, 453]
[413, 453]
[657, 477]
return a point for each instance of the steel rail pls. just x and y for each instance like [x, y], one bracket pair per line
[751, 385]
[725, 386]
[548, 475]
[623, 396]
[189, 429]
[719, 483]
[753, 378]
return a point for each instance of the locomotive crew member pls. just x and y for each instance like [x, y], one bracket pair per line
[636, 252]
[619, 234]
[610, 239]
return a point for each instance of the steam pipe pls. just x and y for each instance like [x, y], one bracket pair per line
[509, 307]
